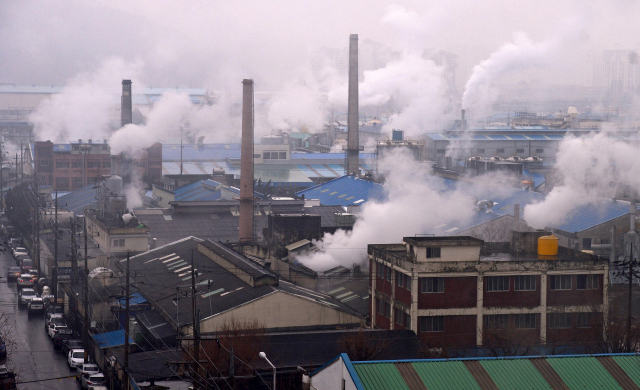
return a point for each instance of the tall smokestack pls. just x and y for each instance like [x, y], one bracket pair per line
[126, 110]
[246, 164]
[353, 146]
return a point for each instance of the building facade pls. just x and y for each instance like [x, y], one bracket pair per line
[451, 296]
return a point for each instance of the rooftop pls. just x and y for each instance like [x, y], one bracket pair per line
[344, 191]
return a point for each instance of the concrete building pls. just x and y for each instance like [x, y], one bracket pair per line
[453, 297]
[621, 71]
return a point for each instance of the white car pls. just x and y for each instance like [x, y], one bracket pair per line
[86, 368]
[75, 357]
[25, 296]
[96, 379]
[53, 328]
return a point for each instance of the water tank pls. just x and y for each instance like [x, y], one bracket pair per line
[114, 184]
[548, 246]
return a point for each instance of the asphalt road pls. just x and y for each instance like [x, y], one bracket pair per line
[32, 357]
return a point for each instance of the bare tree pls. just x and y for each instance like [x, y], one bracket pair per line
[362, 345]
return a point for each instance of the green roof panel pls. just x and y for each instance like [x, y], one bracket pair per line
[583, 373]
[380, 376]
[630, 365]
[527, 376]
[445, 375]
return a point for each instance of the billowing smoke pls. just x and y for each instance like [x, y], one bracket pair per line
[521, 54]
[414, 205]
[414, 85]
[87, 107]
[589, 168]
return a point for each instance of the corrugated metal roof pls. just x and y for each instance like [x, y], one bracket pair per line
[501, 371]
[583, 373]
[205, 152]
[589, 215]
[344, 191]
[380, 377]
[630, 365]
[439, 375]
[79, 199]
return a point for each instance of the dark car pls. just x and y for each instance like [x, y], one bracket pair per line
[26, 264]
[68, 345]
[61, 335]
[14, 273]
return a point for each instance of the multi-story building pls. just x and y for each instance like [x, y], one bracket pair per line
[621, 70]
[453, 297]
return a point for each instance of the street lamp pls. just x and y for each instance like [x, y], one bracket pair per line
[264, 356]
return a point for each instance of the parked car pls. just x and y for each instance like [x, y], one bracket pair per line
[3, 349]
[14, 273]
[54, 327]
[36, 305]
[96, 379]
[61, 335]
[26, 264]
[18, 249]
[34, 273]
[25, 296]
[86, 368]
[49, 317]
[7, 378]
[15, 242]
[68, 345]
[25, 280]
[75, 357]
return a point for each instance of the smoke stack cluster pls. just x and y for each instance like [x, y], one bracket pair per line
[126, 109]
[353, 145]
[246, 163]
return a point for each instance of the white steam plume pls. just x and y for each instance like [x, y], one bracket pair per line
[589, 168]
[414, 85]
[414, 206]
[520, 54]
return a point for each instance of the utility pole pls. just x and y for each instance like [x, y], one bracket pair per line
[629, 317]
[21, 164]
[54, 276]
[74, 252]
[85, 333]
[126, 330]
[1, 181]
[196, 333]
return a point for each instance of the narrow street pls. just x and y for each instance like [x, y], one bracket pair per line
[32, 358]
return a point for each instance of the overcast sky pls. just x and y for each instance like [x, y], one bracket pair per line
[214, 44]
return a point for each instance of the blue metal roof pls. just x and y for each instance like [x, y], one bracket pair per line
[326, 156]
[590, 215]
[110, 339]
[344, 191]
[134, 299]
[79, 199]
[206, 152]
[198, 186]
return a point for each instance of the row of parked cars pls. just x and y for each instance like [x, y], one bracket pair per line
[64, 340]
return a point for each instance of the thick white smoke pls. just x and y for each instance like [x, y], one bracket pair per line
[521, 54]
[414, 206]
[589, 168]
[414, 85]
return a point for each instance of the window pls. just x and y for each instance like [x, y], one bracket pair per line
[432, 324]
[403, 280]
[480, 151]
[75, 147]
[384, 272]
[587, 282]
[77, 181]
[433, 253]
[76, 164]
[584, 320]
[432, 285]
[401, 318]
[118, 242]
[539, 150]
[93, 164]
[525, 321]
[384, 308]
[62, 181]
[497, 283]
[282, 155]
[62, 164]
[44, 163]
[560, 282]
[499, 150]
[525, 283]
[440, 151]
[257, 155]
[519, 150]
[106, 164]
[498, 321]
[560, 320]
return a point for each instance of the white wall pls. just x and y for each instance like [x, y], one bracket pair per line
[330, 378]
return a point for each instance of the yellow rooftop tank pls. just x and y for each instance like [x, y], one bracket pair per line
[548, 246]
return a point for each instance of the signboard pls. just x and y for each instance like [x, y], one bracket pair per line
[64, 273]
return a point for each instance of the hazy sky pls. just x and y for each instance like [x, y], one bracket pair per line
[214, 44]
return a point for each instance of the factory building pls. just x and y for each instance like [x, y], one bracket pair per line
[456, 297]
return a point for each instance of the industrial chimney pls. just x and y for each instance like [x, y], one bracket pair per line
[126, 110]
[246, 164]
[353, 146]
